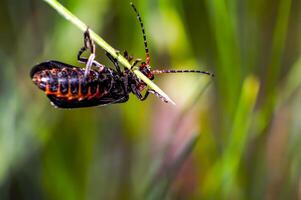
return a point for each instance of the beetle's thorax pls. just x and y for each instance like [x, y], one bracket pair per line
[133, 82]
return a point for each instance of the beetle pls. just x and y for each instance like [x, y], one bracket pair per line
[69, 86]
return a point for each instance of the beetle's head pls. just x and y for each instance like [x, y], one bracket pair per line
[146, 70]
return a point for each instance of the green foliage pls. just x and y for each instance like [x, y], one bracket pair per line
[234, 136]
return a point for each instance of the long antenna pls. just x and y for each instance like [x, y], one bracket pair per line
[166, 71]
[147, 61]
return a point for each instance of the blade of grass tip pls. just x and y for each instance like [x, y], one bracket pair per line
[240, 130]
[82, 26]
[159, 191]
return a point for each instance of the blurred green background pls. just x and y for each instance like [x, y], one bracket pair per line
[236, 136]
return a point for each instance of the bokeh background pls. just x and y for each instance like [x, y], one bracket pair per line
[234, 136]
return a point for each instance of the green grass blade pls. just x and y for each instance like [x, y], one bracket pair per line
[225, 170]
[239, 133]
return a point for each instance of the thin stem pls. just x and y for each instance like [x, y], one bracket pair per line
[82, 26]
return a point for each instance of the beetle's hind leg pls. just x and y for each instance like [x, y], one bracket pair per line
[88, 42]
[88, 45]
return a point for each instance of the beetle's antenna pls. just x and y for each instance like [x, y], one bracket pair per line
[147, 61]
[166, 71]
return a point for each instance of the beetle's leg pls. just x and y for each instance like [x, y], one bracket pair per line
[126, 55]
[129, 58]
[89, 64]
[88, 44]
[155, 93]
[79, 58]
[114, 61]
[85, 60]
[136, 61]
[112, 80]
[136, 91]
[89, 61]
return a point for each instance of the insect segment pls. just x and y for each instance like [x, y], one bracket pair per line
[69, 86]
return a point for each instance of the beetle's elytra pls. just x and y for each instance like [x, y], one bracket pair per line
[69, 86]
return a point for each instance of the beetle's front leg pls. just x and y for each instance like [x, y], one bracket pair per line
[155, 93]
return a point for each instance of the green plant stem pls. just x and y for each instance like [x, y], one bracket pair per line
[83, 27]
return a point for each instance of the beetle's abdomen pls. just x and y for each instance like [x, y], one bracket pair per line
[69, 83]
